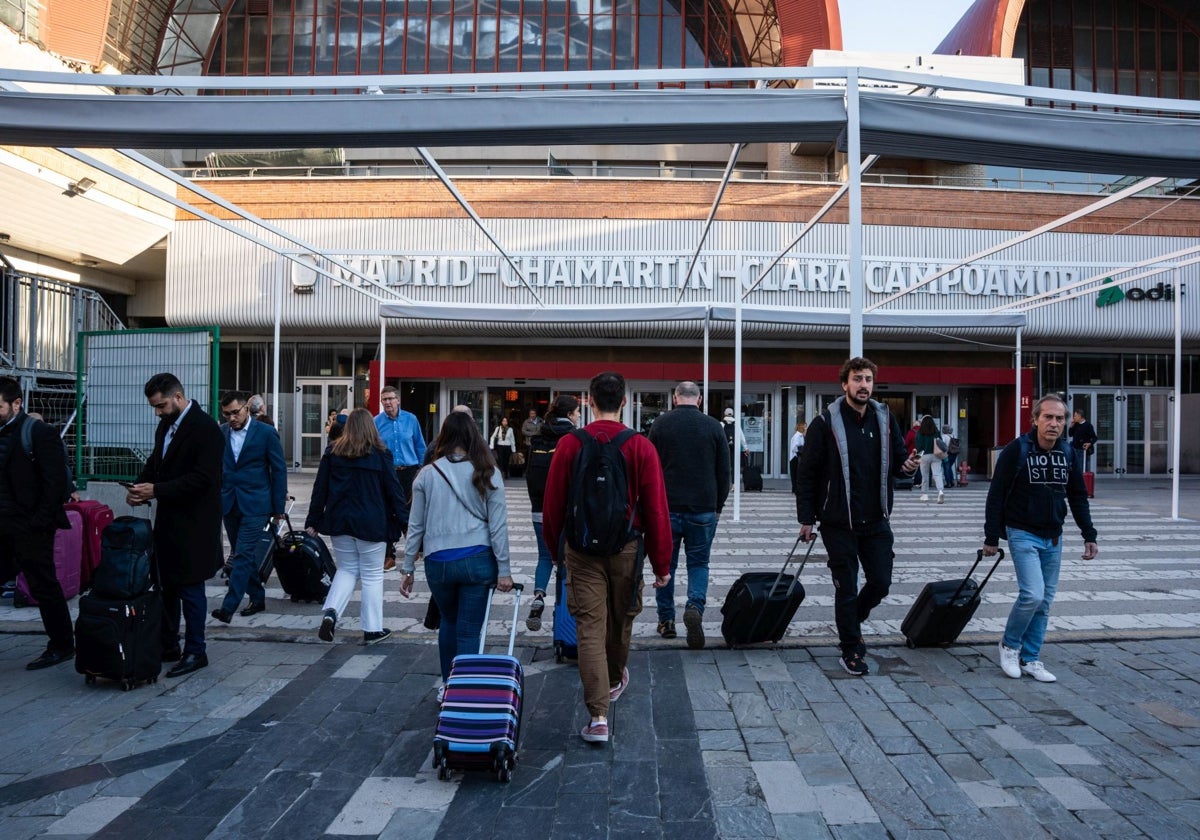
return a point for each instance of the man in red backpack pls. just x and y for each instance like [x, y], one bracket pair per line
[608, 538]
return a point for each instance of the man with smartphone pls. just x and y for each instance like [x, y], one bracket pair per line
[183, 473]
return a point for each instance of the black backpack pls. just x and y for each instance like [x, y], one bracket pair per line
[599, 516]
[126, 549]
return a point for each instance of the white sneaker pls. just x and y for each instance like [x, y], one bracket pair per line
[924, 497]
[1010, 662]
[1038, 671]
[941, 498]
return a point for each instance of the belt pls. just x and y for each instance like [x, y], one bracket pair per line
[409, 467]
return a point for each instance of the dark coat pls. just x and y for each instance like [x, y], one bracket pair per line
[358, 497]
[37, 486]
[257, 481]
[187, 487]
[695, 459]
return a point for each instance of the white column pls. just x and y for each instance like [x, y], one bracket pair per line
[854, 176]
[1017, 364]
[737, 410]
[278, 326]
[1177, 408]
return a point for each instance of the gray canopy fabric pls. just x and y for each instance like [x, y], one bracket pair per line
[460, 119]
[1036, 138]
[1063, 138]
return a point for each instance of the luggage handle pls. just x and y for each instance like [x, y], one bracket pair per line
[487, 611]
[978, 559]
[811, 545]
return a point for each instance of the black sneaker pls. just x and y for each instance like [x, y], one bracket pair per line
[855, 663]
[376, 636]
[534, 622]
[666, 629]
[328, 623]
[695, 628]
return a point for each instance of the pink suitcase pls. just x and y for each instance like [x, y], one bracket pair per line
[96, 517]
[68, 562]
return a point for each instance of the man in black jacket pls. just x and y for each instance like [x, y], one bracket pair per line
[852, 452]
[1036, 478]
[184, 474]
[695, 464]
[32, 491]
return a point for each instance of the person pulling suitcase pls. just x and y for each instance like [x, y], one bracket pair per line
[853, 450]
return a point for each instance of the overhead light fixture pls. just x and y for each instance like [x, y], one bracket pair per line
[4, 237]
[79, 187]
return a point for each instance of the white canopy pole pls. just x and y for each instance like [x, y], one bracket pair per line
[1017, 430]
[382, 356]
[737, 410]
[278, 323]
[1177, 408]
[854, 173]
[704, 393]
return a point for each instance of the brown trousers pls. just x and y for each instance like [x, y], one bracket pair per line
[605, 596]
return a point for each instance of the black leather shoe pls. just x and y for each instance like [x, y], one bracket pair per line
[190, 662]
[221, 615]
[253, 609]
[172, 654]
[50, 657]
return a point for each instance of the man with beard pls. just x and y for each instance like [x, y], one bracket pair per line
[853, 450]
[183, 474]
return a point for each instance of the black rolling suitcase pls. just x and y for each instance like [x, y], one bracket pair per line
[751, 479]
[119, 639]
[304, 566]
[761, 605]
[944, 607]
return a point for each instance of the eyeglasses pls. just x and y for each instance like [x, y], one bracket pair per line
[234, 413]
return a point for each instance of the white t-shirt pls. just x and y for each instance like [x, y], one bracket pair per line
[797, 444]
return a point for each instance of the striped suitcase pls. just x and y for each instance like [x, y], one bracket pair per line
[479, 723]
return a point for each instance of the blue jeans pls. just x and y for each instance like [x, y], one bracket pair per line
[948, 470]
[461, 589]
[1037, 561]
[541, 577]
[243, 532]
[695, 531]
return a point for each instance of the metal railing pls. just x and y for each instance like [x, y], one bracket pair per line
[1009, 182]
[40, 320]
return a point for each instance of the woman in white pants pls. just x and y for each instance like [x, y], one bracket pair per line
[931, 465]
[358, 502]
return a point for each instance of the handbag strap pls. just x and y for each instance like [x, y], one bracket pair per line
[455, 492]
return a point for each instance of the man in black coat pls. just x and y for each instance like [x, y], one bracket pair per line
[183, 474]
[32, 490]
[695, 463]
[852, 452]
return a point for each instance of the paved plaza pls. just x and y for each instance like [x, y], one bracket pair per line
[283, 736]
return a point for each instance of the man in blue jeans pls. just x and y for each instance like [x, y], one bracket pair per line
[695, 464]
[1036, 479]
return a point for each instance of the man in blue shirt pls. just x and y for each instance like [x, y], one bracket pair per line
[401, 434]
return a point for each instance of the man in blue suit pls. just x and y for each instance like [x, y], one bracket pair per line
[253, 489]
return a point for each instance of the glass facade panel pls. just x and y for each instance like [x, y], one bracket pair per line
[1095, 370]
[1109, 46]
[460, 36]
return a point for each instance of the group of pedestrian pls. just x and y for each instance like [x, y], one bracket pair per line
[852, 453]
[371, 488]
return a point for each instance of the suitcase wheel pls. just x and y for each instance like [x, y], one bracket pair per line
[443, 770]
[559, 653]
[504, 775]
[126, 685]
[910, 644]
[89, 680]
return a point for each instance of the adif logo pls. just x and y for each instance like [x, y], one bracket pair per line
[1114, 294]
[1111, 295]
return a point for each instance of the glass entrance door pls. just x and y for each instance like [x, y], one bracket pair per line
[1133, 430]
[317, 398]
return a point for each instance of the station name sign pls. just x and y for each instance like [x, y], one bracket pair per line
[671, 271]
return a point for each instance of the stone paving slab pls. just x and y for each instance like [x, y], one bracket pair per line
[342, 749]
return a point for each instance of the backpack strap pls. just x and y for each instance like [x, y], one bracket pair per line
[27, 437]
